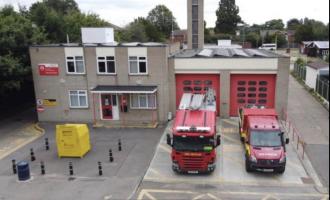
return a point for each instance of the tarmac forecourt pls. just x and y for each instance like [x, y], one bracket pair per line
[230, 180]
[119, 179]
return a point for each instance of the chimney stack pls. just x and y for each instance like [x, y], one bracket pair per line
[195, 24]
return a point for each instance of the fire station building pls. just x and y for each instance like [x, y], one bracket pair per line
[102, 82]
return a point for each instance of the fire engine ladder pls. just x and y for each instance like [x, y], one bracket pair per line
[191, 101]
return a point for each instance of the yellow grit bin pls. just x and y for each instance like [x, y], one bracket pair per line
[73, 140]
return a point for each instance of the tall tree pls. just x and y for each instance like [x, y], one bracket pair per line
[275, 24]
[227, 17]
[293, 24]
[162, 18]
[16, 34]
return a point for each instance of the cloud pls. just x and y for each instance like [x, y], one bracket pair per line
[121, 12]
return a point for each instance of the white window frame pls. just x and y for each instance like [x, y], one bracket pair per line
[139, 60]
[74, 60]
[79, 95]
[106, 65]
[147, 98]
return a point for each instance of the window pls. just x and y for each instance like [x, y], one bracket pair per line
[143, 101]
[137, 65]
[241, 101]
[241, 95]
[198, 89]
[241, 82]
[208, 82]
[198, 82]
[262, 95]
[241, 89]
[252, 95]
[252, 89]
[252, 83]
[263, 83]
[263, 89]
[252, 101]
[187, 82]
[106, 65]
[187, 89]
[262, 101]
[75, 65]
[78, 99]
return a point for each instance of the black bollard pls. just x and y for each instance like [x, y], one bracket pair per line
[33, 158]
[14, 166]
[71, 169]
[100, 169]
[110, 155]
[42, 166]
[47, 144]
[119, 145]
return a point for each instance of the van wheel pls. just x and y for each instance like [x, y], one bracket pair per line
[248, 167]
[280, 170]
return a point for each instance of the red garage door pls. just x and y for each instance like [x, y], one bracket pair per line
[252, 90]
[197, 84]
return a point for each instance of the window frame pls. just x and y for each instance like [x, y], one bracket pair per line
[74, 60]
[79, 95]
[138, 60]
[147, 102]
[105, 61]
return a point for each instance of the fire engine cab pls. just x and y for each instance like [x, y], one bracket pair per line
[263, 138]
[194, 139]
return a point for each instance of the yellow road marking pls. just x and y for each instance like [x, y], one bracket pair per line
[325, 197]
[267, 196]
[165, 148]
[231, 122]
[230, 139]
[19, 143]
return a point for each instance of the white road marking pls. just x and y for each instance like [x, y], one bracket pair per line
[165, 148]
[270, 197]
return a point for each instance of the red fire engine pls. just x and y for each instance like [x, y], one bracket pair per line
[263, 138]
[194, 139]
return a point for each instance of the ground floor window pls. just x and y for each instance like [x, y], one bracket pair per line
[78, 99]
[143, 101]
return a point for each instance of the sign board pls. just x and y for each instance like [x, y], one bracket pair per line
[46, 102]
[48, 69]
[50, 102]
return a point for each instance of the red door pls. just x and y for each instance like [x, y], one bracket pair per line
[197, 84]
[107, 108]
[252, 90]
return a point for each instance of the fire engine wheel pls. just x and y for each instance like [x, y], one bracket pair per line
[280, 170]
[248, 167]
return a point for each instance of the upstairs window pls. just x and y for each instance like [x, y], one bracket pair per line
[75, 65]
[138, 65]
[106, 65]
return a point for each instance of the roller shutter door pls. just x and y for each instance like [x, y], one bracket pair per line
[197, 84]
[252, 90]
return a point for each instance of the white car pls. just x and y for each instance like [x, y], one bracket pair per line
[271, 47]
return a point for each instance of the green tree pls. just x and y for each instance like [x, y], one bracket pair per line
[62, 6]
[227, 17]
[74, 20]
[141, 30]
[16, 34]
[162, 18]
[254, 38]
[293, 24]
[275, 24]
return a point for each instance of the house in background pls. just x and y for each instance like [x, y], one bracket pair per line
[315, 70]
[303, 47]
[318, 49]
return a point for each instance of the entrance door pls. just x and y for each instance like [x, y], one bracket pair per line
[110, 108]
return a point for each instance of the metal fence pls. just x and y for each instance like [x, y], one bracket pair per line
[300, 71]
[322, 87]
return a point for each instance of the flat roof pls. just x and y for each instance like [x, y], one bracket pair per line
[131, 44]
[226, 53]
[122, 89]
[318, 65]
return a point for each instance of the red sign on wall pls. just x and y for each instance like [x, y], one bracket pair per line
[48, 69]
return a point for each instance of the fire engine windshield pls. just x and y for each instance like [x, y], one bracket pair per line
[266, 139]
[194, 144]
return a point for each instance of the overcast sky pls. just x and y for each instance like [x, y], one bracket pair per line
[121, 12]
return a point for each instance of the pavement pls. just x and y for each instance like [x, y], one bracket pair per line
[312, 121]
[119, 181]
[230, 180]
